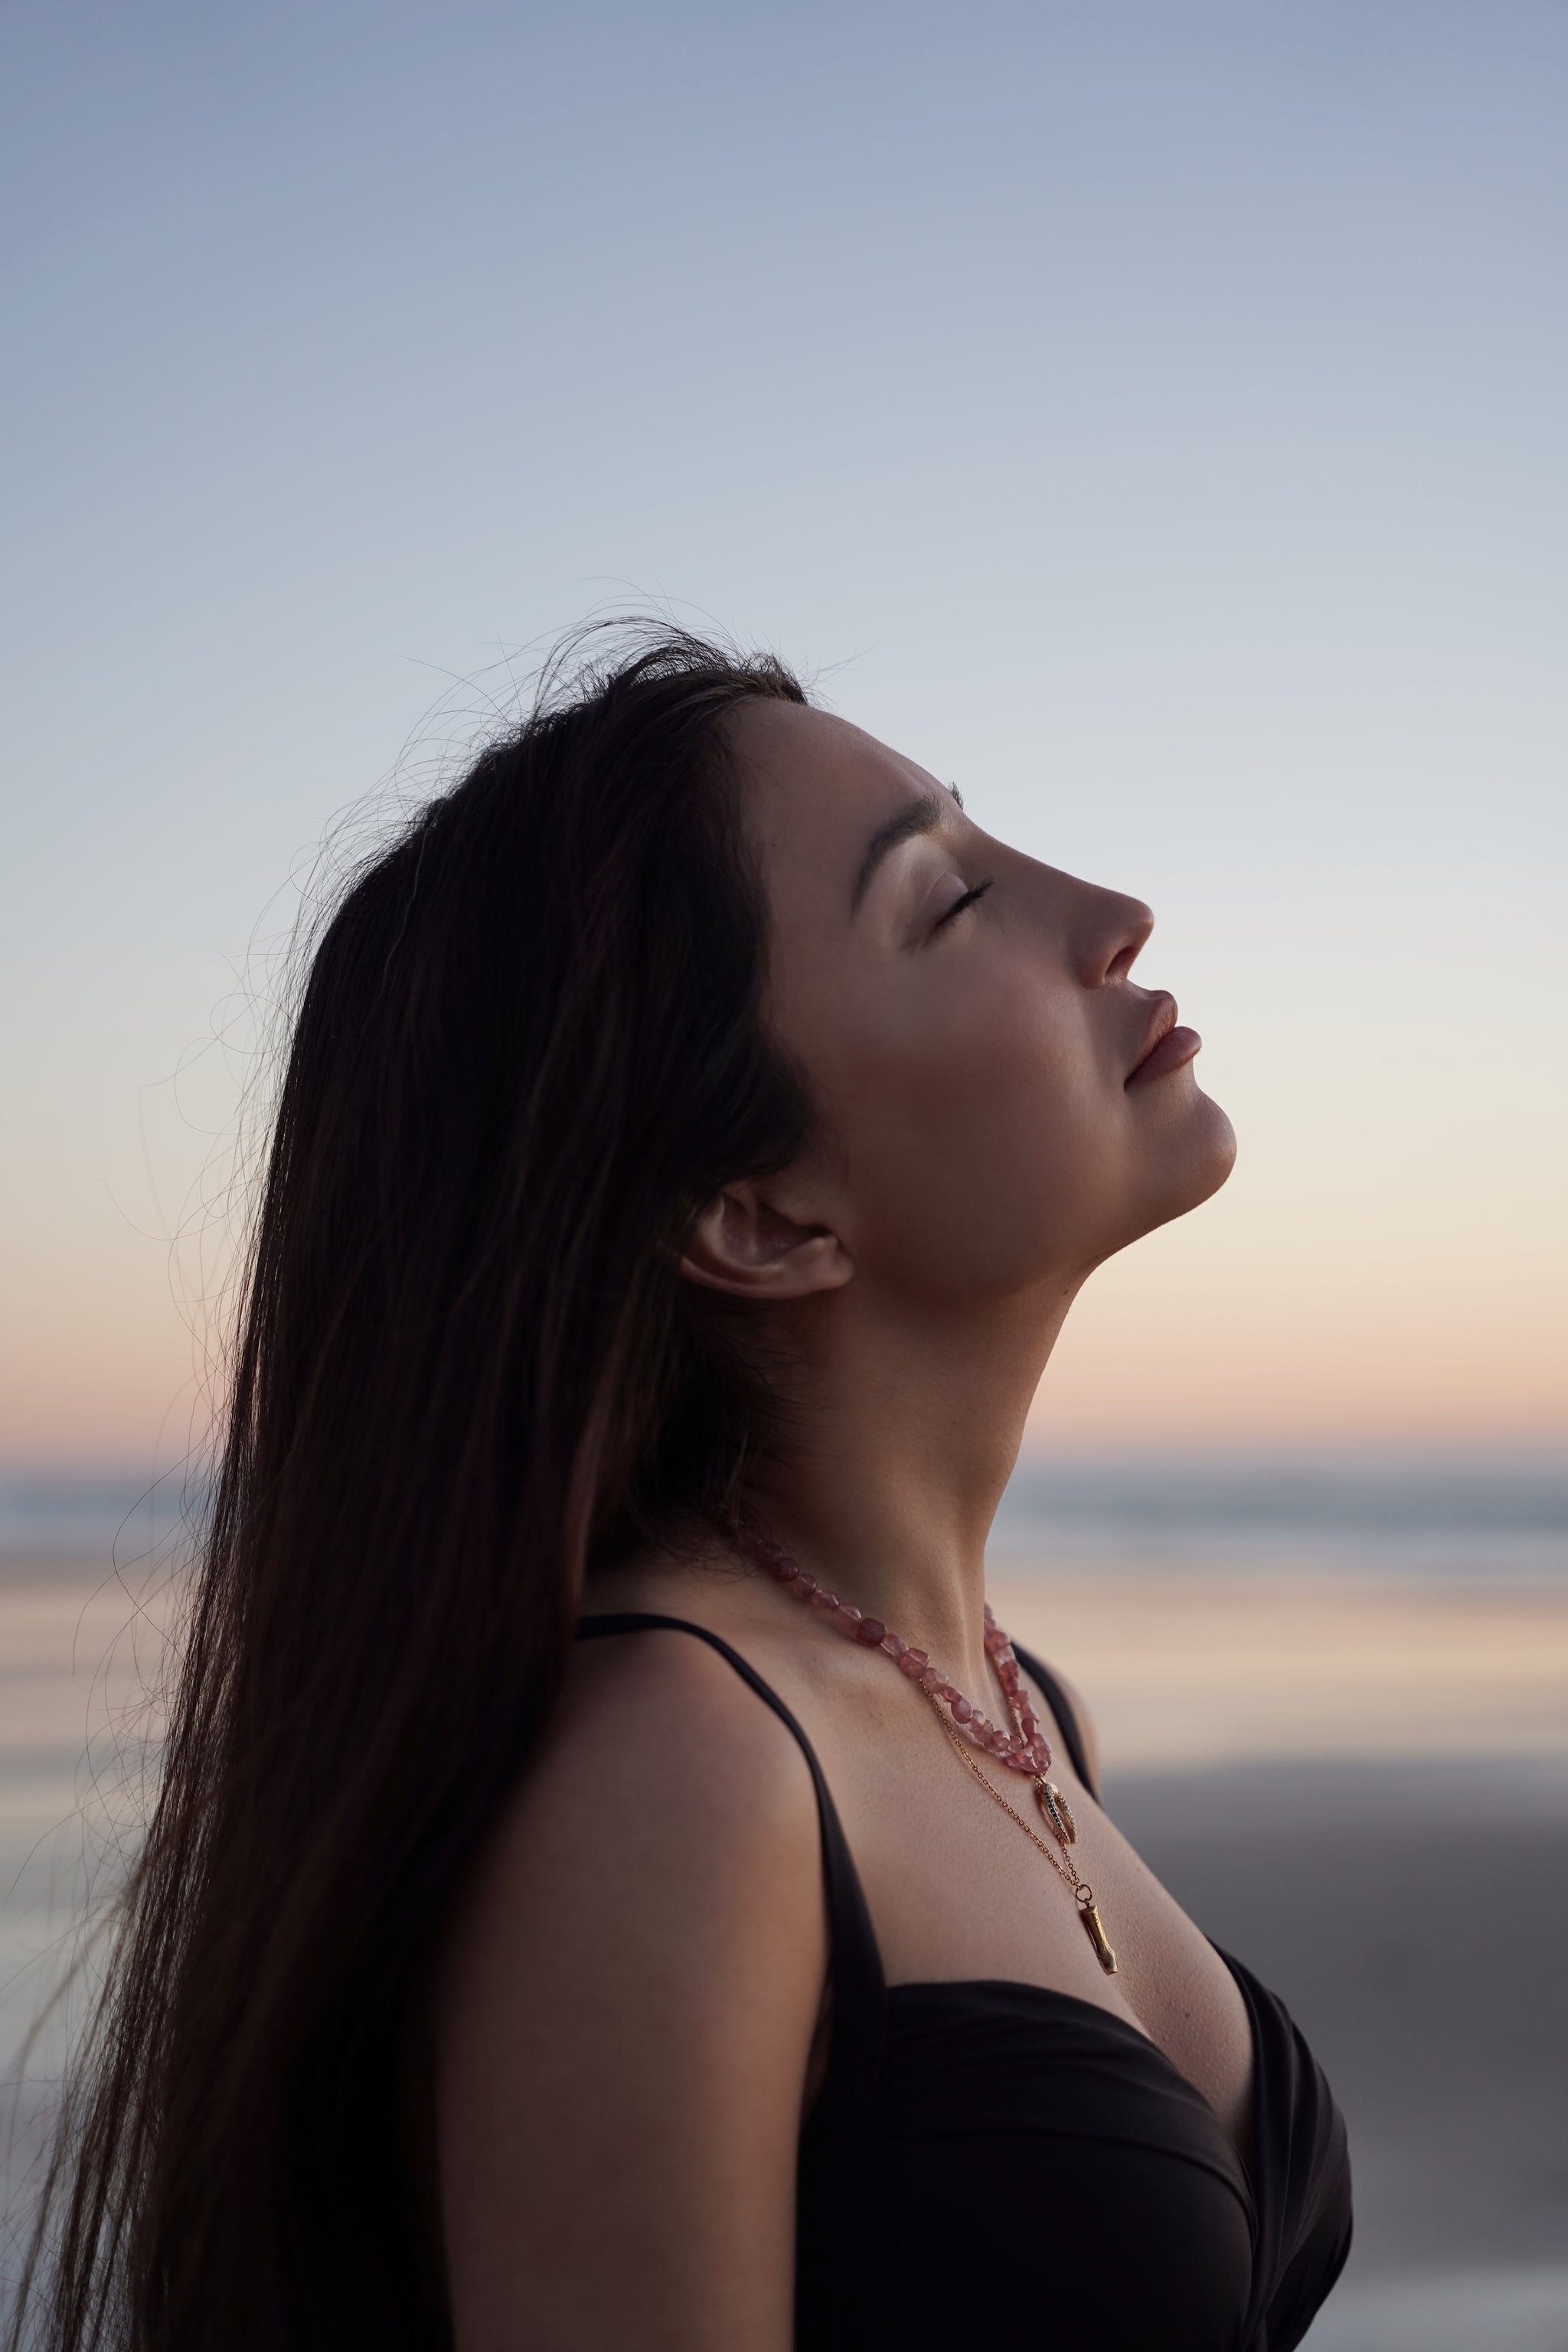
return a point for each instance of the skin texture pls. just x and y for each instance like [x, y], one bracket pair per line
[618, 2101]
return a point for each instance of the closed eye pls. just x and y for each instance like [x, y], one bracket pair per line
[959, 905]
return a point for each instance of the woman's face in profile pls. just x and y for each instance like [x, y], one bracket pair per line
[1001, 1104]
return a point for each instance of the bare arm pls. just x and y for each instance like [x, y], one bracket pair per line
[622, 2020]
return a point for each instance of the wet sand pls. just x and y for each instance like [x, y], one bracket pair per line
[1185, 1670]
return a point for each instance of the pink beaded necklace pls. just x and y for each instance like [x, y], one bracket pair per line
[1024, 1749]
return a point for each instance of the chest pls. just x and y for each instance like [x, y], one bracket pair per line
[958, 1891]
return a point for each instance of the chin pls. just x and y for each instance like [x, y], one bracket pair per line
[1215, 1156]
[1193, 1162]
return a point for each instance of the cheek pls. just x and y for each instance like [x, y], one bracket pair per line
[981, 1143]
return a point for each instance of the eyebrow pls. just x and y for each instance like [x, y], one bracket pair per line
[922, 815]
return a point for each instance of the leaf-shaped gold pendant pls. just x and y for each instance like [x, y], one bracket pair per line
[1053, 1806]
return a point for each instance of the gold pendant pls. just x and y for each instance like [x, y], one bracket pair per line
[1053, 1806]
[1097, 1936]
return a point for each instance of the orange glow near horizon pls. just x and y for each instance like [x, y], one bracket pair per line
[1200, 1336]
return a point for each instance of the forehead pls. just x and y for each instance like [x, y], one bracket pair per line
[813, 790]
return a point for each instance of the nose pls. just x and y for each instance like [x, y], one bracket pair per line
[1109, 935]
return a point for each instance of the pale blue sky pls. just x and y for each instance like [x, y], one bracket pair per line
[1150, 416]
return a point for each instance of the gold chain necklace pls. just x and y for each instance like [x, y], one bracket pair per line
[1053, 1806]
[1022, 1750]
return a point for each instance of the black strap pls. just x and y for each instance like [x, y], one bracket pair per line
[859, 1990]
[855, 1965]
[1061, 1707]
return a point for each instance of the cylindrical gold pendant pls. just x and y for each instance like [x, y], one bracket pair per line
[1053, 1806]
[1097, 1936]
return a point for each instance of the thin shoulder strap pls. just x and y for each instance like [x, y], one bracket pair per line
[854, 1963]
[1061, 1707]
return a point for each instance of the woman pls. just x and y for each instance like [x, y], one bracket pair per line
[610, 1884]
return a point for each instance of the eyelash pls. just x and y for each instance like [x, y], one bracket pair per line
[968, 900]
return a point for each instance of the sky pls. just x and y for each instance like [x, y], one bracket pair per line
[1147, 414]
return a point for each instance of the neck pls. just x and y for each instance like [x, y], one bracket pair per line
[902, 1434]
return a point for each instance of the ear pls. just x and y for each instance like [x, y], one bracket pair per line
[743, 1245]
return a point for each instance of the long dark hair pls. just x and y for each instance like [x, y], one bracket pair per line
[529, 1049]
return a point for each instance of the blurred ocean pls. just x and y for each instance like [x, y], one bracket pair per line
[1448, 1517]
[103, 1517]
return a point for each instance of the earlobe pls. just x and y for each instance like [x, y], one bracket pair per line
[744, 1246]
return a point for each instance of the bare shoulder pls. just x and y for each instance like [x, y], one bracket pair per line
[623, 2014]
[665, 1792]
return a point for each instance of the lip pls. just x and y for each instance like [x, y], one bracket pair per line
[1167, 1046]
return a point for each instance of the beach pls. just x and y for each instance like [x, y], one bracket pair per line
[1359, 1787]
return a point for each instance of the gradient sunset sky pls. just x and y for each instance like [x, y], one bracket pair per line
[1150, 416]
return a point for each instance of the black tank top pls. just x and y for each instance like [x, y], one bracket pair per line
[1000, 2158]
